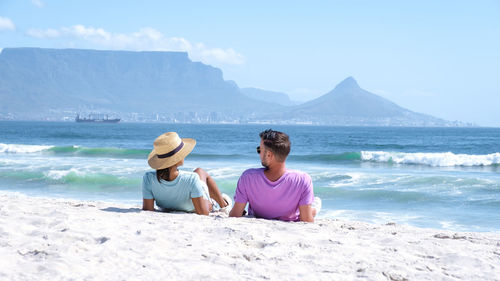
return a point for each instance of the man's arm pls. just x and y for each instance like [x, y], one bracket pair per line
[306, 213]
[237, 210]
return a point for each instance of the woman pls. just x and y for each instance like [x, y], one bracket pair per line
[179, 190]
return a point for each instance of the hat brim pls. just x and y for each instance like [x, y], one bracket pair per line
[162, 163]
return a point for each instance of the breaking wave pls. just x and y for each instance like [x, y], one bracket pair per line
[437, 159]
[434, 159]
[74, 150]
[23, 148]
[100, 152]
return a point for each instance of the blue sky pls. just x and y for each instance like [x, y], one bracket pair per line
[435, 57]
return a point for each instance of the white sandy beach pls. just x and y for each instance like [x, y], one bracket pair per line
[55, 239]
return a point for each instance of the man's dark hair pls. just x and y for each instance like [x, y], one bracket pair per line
[277, 142]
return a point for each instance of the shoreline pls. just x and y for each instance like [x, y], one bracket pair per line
[60, 239]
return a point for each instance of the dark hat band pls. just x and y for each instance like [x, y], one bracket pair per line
[161, 156]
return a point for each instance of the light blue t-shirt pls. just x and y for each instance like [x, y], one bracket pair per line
[173, 195]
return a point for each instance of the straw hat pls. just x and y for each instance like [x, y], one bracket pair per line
[168, 150]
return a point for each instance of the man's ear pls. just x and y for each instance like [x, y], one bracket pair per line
[270, 154]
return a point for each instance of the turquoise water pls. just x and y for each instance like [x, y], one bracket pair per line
[428, 177]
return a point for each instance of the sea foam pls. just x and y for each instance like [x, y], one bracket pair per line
[441, 159]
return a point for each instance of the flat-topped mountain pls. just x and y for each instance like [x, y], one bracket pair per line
[56, 84]
[35, 80]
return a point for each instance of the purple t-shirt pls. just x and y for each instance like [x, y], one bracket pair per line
[274, 200]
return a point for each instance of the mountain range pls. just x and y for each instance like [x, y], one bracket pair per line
[55, 84]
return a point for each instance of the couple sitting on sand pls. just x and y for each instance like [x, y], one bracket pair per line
[273, 192]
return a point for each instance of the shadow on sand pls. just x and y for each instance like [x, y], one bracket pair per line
[122, 210]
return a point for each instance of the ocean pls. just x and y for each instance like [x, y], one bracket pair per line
[446, 178]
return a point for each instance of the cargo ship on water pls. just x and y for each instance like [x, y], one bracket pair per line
[96, 118]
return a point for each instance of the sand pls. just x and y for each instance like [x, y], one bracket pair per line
[60, 239]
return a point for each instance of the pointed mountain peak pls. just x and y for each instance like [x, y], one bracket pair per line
[348, 83]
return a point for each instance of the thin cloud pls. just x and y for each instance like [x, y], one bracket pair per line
[38, 3]
[146, 39]
[418, 93]
[6, 24]
[49, 33]
[406, 93]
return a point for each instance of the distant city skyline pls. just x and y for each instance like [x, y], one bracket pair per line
[436, 57]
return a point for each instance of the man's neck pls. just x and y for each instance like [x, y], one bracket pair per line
[275, 172]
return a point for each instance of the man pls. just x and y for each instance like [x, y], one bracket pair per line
[275, 192]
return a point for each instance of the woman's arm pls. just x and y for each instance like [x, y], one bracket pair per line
[200, 205]
[148, 204]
